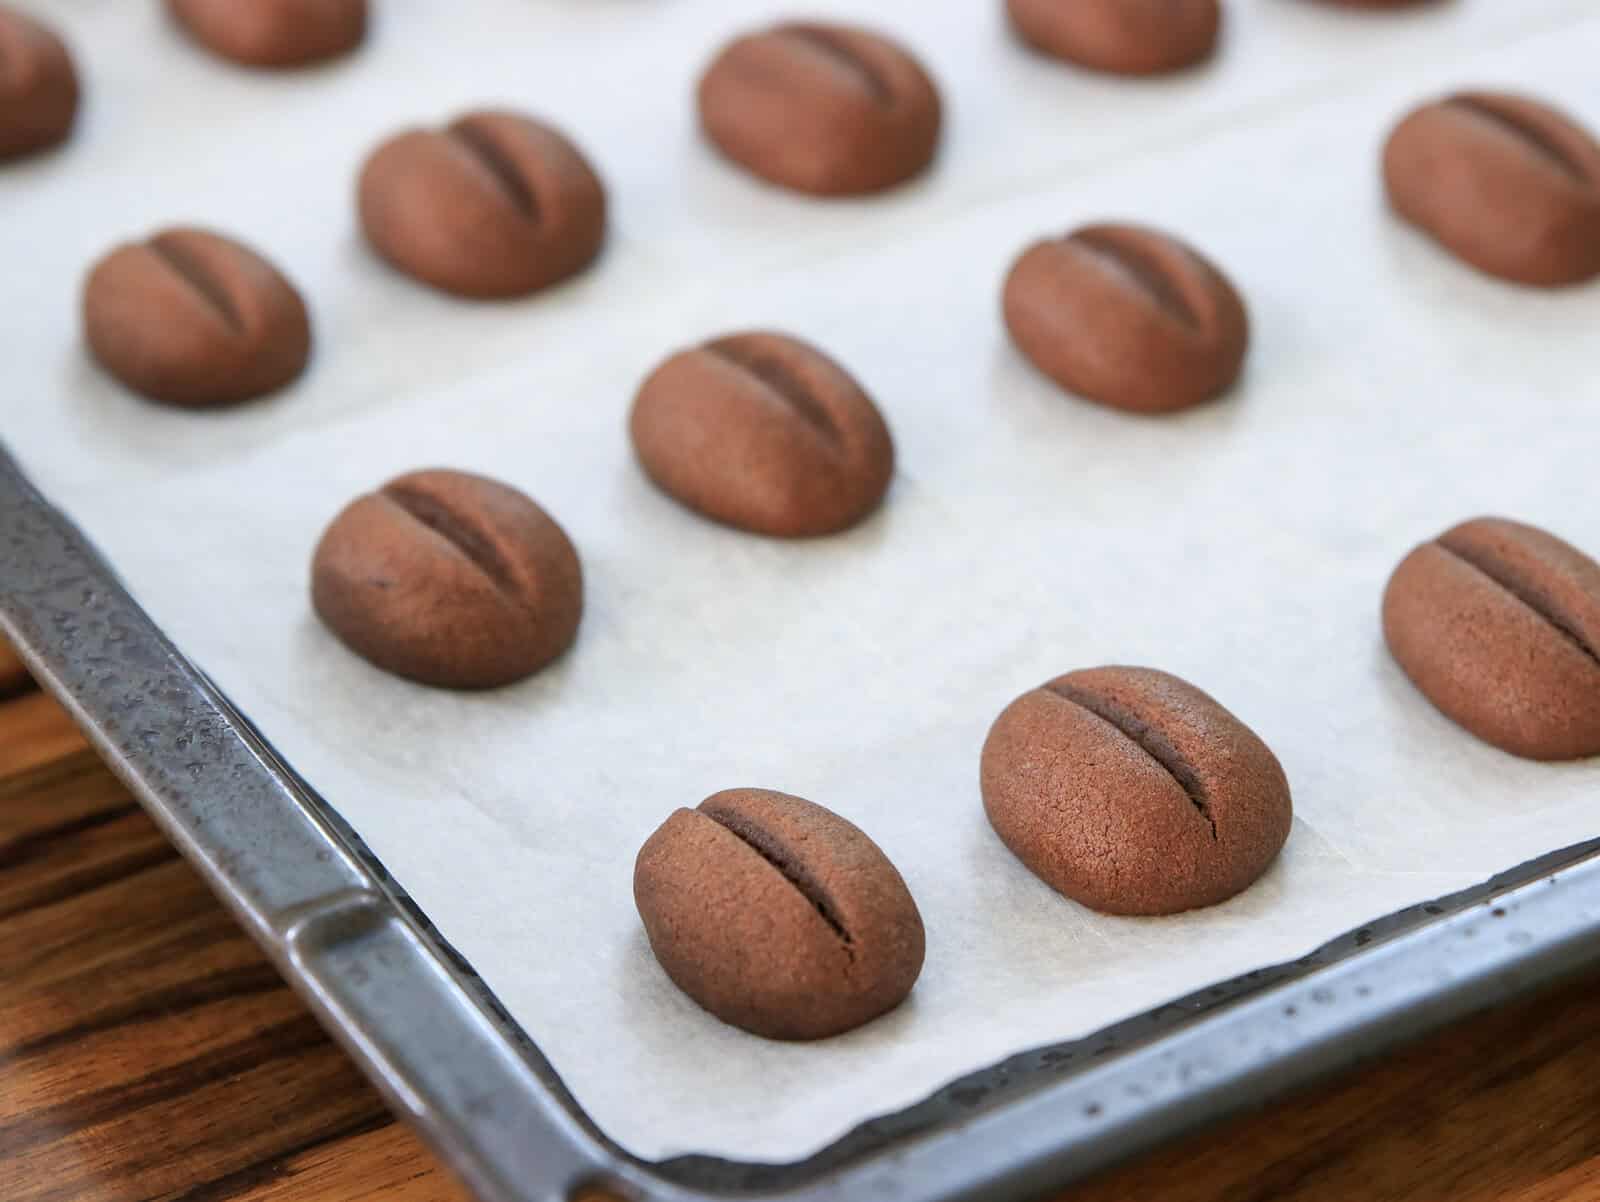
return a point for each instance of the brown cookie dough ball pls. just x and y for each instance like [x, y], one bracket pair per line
[777, 915]
[1132, 792]
[449, 579]
[1498, 623]
[832, 110]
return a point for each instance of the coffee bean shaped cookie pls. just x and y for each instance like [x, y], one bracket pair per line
[763, 432]
[1132, 792]
[1127, 316]
[831, 110]
[449, 579]
[193, 318]
[274, 33]
[38, 86]
[494, 205]
[1498, 623]
[1503, 182]
[777, 915]
[1123, 37]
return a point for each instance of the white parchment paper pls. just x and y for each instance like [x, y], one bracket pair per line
[1390, 392]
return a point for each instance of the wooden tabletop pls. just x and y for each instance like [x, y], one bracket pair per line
[147, 1051]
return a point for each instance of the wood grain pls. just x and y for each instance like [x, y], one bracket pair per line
[13, 676]
[147, 1051]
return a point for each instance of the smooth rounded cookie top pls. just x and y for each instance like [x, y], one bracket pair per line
[1133, 792]
[274, 33]
[449, 579]
[763, 432]
[777, 915]
[827, 109]
[193, 318]
[1498, 623]
[1123, 37]
[495, 204]
[1504, 182]
[1128, 316]
[38, 86]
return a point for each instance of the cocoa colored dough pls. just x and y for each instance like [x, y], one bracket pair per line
[1123, 37]
[496, 204]
[449, 579]
[777, 915]
[193, 318]
[274, 33]
[1133, 792]
[1503, 182]
[1498, 623]
[833, 110]
[38, 86]
[763, 432]
[1127, 316]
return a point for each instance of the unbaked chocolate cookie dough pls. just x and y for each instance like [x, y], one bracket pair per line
[763, 432]
[1503, 182]
[1122, 37]
[1498, 623]
[38, 86]
[495, 204]
[274, 33]
[449, 579]
[1127, 316]
[777, 915]
[1133, 792]
[192, 317]
[833, 110]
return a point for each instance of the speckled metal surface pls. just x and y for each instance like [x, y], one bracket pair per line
[432, 1037]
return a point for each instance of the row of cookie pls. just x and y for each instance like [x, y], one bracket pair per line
[1126, 789]
[497, 204]
[39, 94]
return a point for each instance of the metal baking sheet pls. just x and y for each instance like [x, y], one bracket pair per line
[451, 1060]
[1372, 411]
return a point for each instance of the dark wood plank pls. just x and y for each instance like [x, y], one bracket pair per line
[385, 1164]
[1493, 1108]
[14, 677]
[38, 744]
[147, 1051]
[138, 1024]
